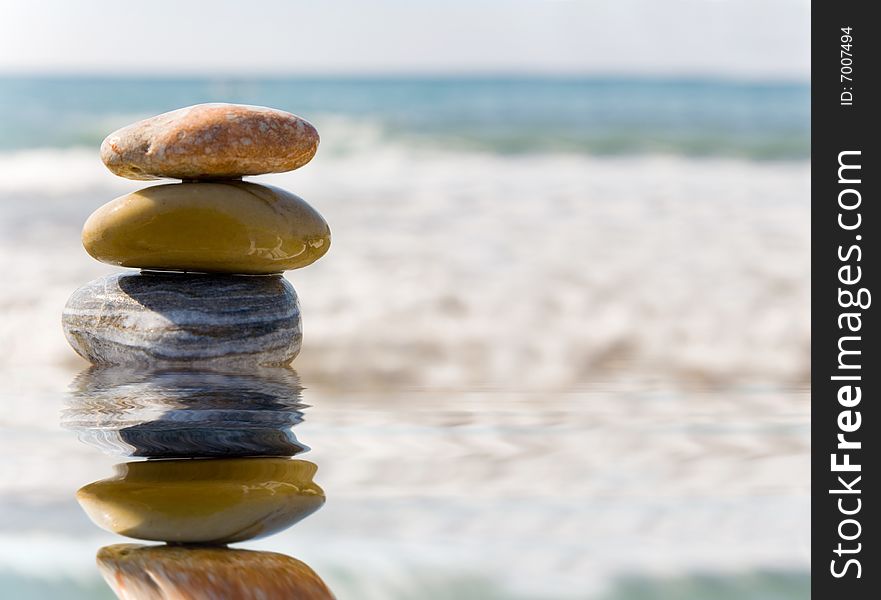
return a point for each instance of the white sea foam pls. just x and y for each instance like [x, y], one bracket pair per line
[52, 172]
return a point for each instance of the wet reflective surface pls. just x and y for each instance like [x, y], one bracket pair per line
[613, 492]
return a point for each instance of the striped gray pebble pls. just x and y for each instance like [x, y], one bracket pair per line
[154, 318]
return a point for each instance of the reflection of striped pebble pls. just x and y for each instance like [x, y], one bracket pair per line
[186, 413]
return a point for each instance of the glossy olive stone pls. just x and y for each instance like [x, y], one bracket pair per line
[211, 141]
[198, 573]
[228, 227]
[153, 319]
[205, 501]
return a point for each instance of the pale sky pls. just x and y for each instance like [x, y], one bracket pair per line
[736, 38]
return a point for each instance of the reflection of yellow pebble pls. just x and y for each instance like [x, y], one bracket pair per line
[166, 572]
[229, 227]
[209, 501]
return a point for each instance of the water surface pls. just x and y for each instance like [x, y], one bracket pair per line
[506, 115]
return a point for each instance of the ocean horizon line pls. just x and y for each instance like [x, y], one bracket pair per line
[721, 79]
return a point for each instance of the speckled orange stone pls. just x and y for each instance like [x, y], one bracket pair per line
[191, 573]
[211, 141]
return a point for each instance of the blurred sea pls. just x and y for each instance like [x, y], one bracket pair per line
[559, 347]
[506, 116]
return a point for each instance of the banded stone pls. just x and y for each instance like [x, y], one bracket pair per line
[163, 319]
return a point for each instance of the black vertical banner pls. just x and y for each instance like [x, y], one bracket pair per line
[846, 374]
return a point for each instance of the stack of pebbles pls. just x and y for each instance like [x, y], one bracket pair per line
[211, 248]
[190, 356]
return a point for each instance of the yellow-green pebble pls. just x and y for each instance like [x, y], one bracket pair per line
[216, 227]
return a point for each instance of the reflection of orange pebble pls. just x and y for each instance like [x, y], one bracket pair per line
[193, 573]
